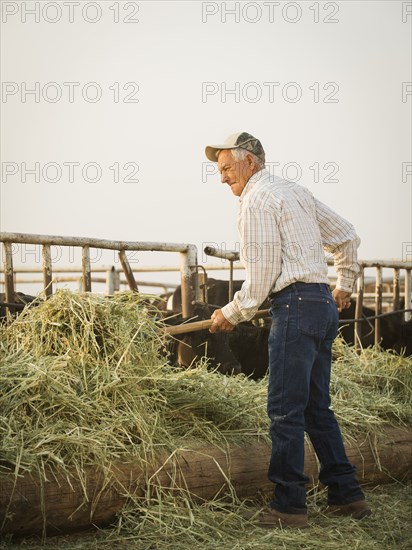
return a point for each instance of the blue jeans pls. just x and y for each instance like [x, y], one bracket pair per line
[304, 325]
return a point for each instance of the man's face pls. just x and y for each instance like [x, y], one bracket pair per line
[235, 173]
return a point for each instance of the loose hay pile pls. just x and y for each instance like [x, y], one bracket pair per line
[371, 388]
[84, 381]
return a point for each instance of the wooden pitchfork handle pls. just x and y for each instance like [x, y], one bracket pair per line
[203, 325]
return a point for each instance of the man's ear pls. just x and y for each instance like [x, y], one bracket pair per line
[251, 161]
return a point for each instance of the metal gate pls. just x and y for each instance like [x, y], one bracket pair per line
[188, 261]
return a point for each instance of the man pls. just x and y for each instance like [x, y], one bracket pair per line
[283, 231]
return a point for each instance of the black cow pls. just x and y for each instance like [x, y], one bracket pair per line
[161, 301]
[395, 333]
[185, 349]
[367, 327]
[19, 302]
[249, 344]
[404, 343]
[217, 292]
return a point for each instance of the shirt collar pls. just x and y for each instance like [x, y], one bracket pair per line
[252, 181]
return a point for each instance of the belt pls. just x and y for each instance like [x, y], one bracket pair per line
[296, 286]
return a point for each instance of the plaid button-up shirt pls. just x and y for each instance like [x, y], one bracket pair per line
[284, 233]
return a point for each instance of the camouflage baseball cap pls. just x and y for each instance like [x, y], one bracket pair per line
[241, 140]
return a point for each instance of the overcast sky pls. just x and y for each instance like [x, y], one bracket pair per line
[107, 107]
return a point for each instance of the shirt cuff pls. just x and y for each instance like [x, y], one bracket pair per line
[232, 314]
[345, 284]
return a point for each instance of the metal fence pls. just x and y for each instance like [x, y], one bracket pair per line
[187, 252]
[188, 270]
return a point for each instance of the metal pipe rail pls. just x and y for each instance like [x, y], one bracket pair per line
[56, 240]
[103, 280]
[230, 255]
[103, 269]
[234, 255]
[188, 261]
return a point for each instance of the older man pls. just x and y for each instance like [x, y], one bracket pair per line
[284, 231]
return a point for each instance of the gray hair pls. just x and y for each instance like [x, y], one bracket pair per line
[240, 154]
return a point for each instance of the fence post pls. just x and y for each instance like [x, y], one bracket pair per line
[230, 280]
[116, 278]
[87, 279]
[131, 281]
[8, 274]
[47, 270]
[408, 294]
[378, 304]
[110, 281]
[358, 309]
[188, 271]
[202, 280]
[396, 278]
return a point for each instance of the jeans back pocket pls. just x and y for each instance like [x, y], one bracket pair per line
[314, 315]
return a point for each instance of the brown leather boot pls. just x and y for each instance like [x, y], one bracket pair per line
[358, 509]
[269, 518]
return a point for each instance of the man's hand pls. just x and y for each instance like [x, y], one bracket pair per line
[220, 323]
[342, 299]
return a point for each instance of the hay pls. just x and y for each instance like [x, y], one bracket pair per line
[175, 523]
[66, 396]
[84, 381]
[370, 389]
